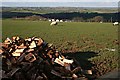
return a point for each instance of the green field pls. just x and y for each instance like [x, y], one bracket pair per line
[72, 36]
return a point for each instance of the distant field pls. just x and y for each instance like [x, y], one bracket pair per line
[71, 36]
[60, 9]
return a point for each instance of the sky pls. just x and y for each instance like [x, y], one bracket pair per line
[59, 0]
[59, 3]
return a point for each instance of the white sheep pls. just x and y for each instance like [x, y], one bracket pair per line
[57, 20]
[61, 20]
[53, 23]
[115, 23]
[53, 20]
[49, 20]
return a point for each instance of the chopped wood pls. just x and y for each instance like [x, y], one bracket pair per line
[34, 59]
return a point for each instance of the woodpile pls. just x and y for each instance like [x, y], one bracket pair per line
[34, 59]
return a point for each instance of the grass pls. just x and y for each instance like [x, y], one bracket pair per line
[72, 32]
[71, 36]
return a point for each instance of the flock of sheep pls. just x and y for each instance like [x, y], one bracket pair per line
[54, 22]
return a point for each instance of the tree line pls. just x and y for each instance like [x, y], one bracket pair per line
[73, 16]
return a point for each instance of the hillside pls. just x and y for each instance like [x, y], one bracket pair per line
[65, 13]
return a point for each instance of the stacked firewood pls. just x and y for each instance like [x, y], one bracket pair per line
[34, 59]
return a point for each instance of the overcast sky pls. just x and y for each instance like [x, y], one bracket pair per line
[60, 0]
[59, 3]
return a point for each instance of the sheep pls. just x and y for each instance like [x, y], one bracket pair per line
[54, 23]
[57, 20]
[53, 20]
[115, 23]
[61, 20]
[49, 20]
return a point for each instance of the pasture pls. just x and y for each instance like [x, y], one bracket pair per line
[72, 37]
